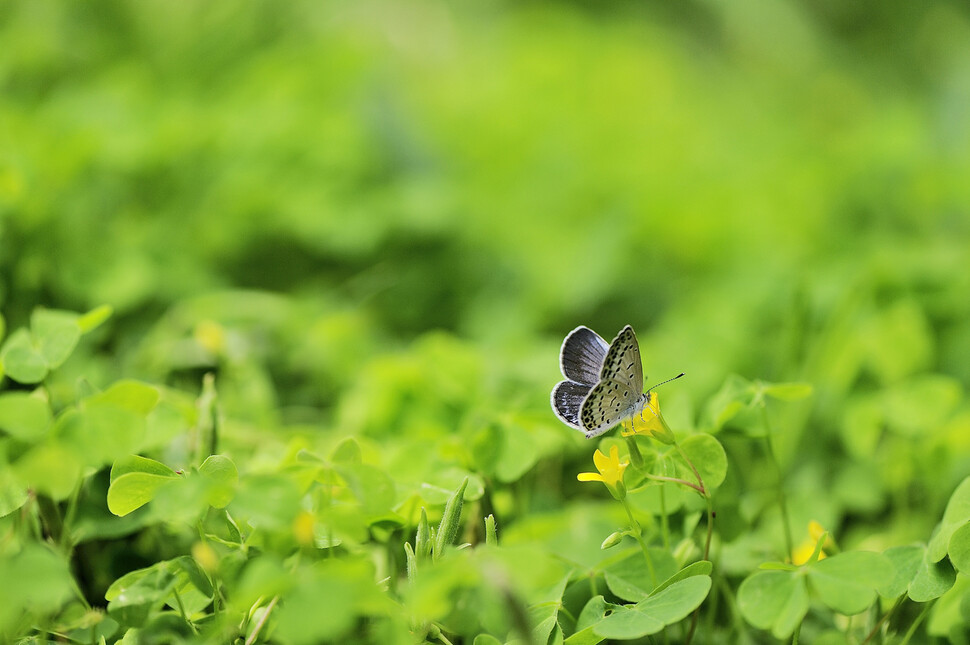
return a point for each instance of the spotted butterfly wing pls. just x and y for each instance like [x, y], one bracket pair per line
[619, 392]
[622, 361]
[604, 382]
[580, 360]
[608, 403]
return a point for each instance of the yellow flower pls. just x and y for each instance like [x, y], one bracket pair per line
[804, 551]
[610, 472]
[649, 422]
[206, 556]
[211, 336]
[303, 528]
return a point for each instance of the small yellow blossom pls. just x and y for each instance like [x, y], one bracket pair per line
[801, 554]
[303, 528]
[206, 556]
[610, 472]
[650, 422]
[211, 336]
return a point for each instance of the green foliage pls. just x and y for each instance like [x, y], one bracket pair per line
[324, 254]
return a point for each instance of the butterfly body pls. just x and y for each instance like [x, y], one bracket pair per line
[604, 381]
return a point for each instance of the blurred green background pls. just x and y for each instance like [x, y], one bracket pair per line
[381, 218]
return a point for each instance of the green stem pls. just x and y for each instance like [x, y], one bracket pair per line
[66, 542]
[50, 516]
[710, 529]
[700, 482]
[664, 522]
[884, 618]
[916, 623]
[262, 621]
[635, 457]
[794, 636]
[740, 626]
[185, 616]
[674, 480]
[444, 639]
[782, 503]
[635, 528]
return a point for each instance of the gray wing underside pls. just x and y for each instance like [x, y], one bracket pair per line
[567, 397]
[582, 355]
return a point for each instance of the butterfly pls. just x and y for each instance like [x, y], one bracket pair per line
[604, 382]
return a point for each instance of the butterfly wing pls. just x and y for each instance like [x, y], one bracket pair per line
[582, 355]
[567, 397]
[608, 402]
[622, 362]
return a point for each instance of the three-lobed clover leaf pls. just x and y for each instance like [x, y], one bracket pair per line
[28, 355]
[670, 602]
[778, 599]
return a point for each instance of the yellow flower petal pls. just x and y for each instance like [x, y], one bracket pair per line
[648, 422]
[804, 551]
[610, 468]
[815, 530]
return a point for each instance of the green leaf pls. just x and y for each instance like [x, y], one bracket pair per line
[450, 521]
[94, 318]
[505, 450]
[345, 588]
[21, 360]
[24, 416]
[101, 434]
[708, 456]
[673, 603]
[13, 493]
[630, 578]
[35, 581]
[959, 549]
[271, 501]
[491, 535]
[55, 334]
[139, 464]
[732, 399]
[544, 618]
[788, 391]
[592, 614]
[222, 476]
[133, 396]
[663, 608]
[626, 623]
[195, 574]
[135, 482]
[422, 538]
[957, 513]
[921, 404]
[346, 452]
[932, 580]
[774, 600]
[847, 582]
[947, 616]
[906, 562]
[372, 487]
[49, 467]
[700, 568]
[132, 597]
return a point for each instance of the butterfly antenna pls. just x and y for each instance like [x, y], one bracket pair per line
[667, 381]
